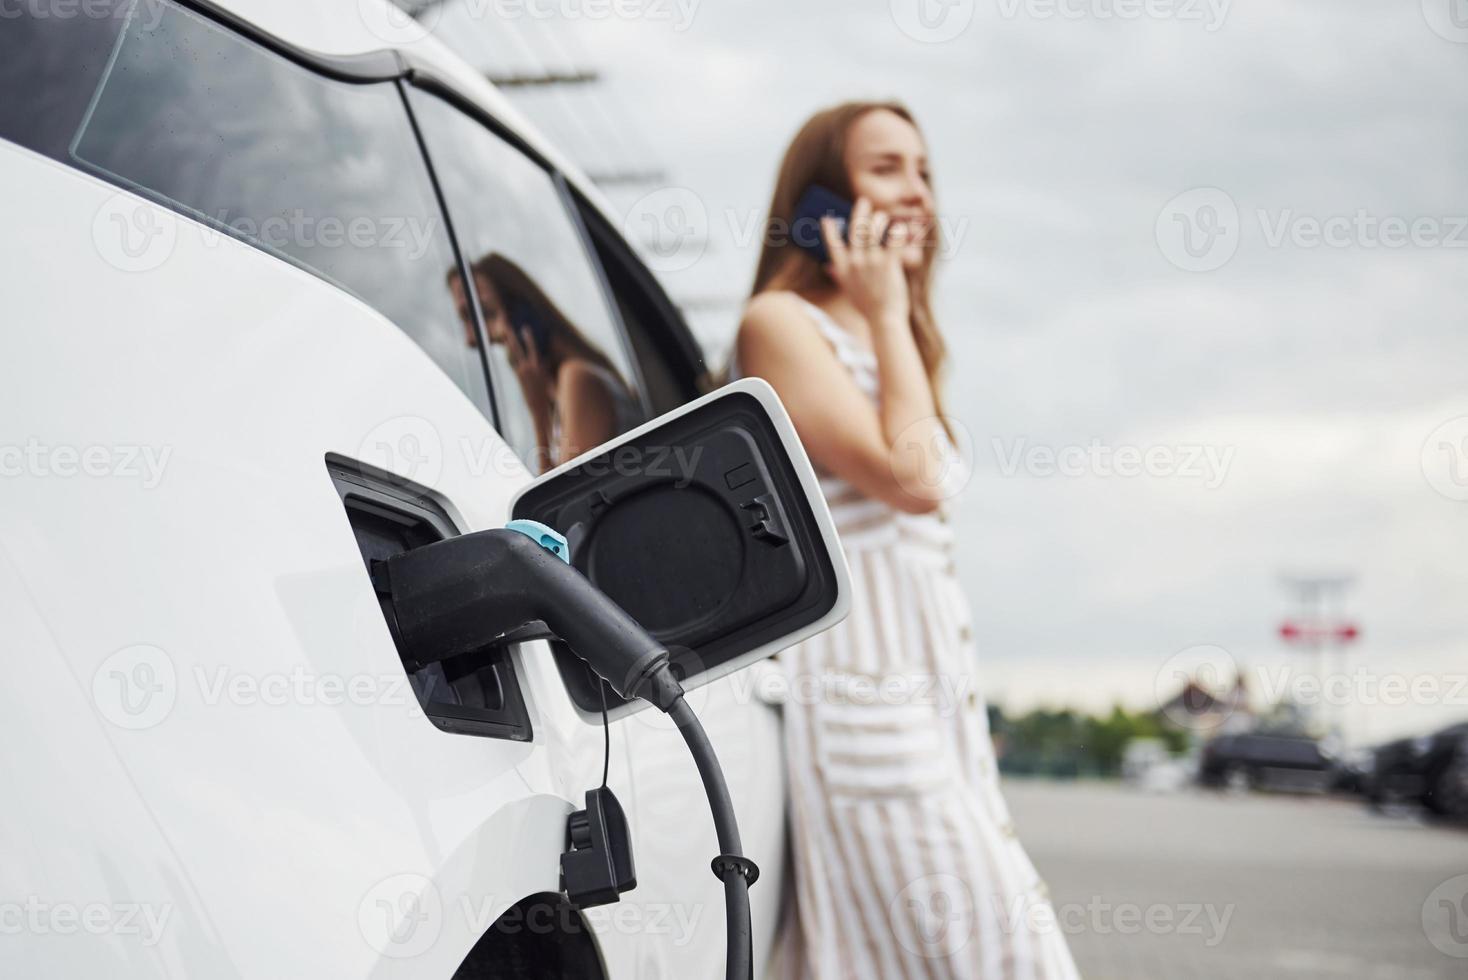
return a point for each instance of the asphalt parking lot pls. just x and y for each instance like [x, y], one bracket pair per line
[1203, 885]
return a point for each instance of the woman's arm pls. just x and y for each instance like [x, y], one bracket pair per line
[885, 451]
[843, 432]
[535, 389]
[587, 409]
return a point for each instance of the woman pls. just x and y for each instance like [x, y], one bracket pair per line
[573, 395]
[905, 861]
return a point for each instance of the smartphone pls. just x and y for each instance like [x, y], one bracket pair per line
[805, 227]
[525, 316]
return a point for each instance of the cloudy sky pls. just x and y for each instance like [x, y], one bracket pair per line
[1232, 236]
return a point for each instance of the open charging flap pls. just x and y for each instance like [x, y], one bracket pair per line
[708, 526]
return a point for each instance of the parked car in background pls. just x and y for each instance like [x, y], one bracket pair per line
[1147, 765]
[1431, 770]
[1351, 774]
[1264, 761]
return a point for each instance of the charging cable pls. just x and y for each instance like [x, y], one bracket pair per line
[462, 594]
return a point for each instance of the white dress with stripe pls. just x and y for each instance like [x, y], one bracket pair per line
[905, 861]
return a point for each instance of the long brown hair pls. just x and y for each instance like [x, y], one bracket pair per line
[515, 285]
[817, 155]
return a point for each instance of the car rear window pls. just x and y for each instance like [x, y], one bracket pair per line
[49, 69]
[323, 173]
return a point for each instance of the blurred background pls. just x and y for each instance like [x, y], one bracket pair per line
[1204, 290]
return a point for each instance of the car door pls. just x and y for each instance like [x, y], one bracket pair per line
[228, 284]
[741, 711]
[540, 252]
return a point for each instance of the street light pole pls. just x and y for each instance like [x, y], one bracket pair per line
[1320, 634]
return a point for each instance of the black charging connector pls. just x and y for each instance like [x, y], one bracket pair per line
[462, 594]
[466, 593]
[597, 866]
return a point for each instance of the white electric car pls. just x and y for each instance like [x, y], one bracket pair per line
[239, 367]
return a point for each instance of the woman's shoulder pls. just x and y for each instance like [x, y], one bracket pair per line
[583, 376]
[777, 313]
[779, 304]
[785, 318]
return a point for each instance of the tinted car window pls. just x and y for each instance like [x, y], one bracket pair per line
[562, 379]
[321, 173]
[669, 360]
[56, 63]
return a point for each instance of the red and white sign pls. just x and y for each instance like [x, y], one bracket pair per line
[1294, 632]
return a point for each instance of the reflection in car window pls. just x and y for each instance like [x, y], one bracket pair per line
[49, 68]
[561, 377]
[322, 173]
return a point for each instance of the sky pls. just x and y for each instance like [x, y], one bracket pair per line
[1219, 246]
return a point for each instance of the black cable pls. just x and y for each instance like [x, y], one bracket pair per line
[737, 871]
[442, 607]
[606, 728]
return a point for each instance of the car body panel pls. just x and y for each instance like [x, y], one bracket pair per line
[1414, 769]
[161, 609]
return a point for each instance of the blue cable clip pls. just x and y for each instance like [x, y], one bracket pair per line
[547, 537]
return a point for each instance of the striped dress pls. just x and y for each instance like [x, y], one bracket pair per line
[905, 861]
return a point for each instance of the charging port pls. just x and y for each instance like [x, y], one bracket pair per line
[475, 693]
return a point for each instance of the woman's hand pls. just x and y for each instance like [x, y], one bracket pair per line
[869, 269]
[535, 384]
